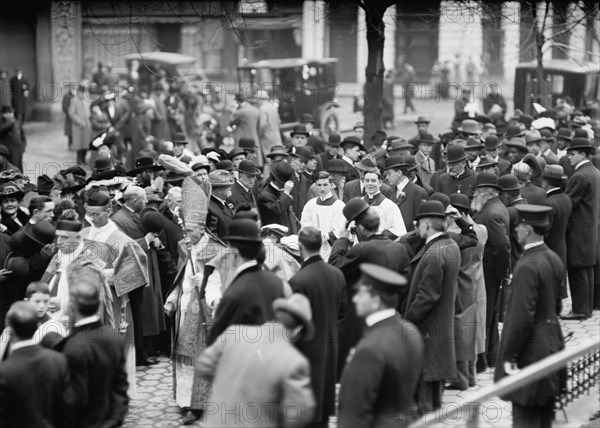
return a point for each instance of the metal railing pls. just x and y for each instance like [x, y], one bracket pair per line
[523, 377]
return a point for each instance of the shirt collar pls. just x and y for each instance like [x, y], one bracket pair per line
[379, 316]
[87, 320]
[532, 245]
[22, 344]
[244, 266]
[275, 187]
[552, 190]
[348, 160]
[243, 187]
[583, 162]
[432, 237]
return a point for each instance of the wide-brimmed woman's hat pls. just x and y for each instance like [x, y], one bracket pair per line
[11, 190]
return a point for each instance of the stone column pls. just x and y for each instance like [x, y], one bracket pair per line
[389, 46]
[313, 28]
[361, 47]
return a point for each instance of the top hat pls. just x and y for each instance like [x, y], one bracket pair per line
[460, 201]
[282, 172]
[427, 138]
[152, 220]
[243, 230]
[4, 151]
[431, 209]
[486, 161]
[518, 143]
[536, 215]
[42, 232]
[491, 142]
[299, 130]
[354, 207]
[582, 144]
[469, 126]
[179, 138]
[144, 164]
[455, 153]
[248, 167]
[11, 190]
[44, 184]
[236, 152]
[336, 165]
[277, 151]
[297, 305]
[352, 141]
[334, 140]
[246, 143]
[564, 133]
[358, 125]
[555, 172]
[307, 118]
[473, 143]
[513, 131]
[382, 279]
[509, 182]
[440, 197]
[19, 266]
[220, 178]
[422, 119]
[486, 179]
[301, 152]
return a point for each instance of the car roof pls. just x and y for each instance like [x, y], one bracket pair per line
[170, 58]
[288, 62]
[568, 66]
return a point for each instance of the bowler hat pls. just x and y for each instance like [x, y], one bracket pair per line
[460, 201]
[582, 144]
[236, 152]
[469, 126]
[455, 153]
[220, 178]
[358, 125]
[152, 220]
[44, 184]
[18, 266]
[334, 140]
[246, 143]
[394, 162]
[243, 230]
[301, 152]
[354, 207]
[42, 232]
[564, 133]
[509, 182]
[351, 142]
[486, 179]
[536, 215]
[4, 151]
[282, 172]
[431, 209]
[473, 143]
[299, 130]
[297, 305]
[518, 143]
[427, 138]
[277, 151]
[546, 134]
[422, 119]
[580, 133]
[410, 163]
[336, 165]
[248, 167]
[513, 131]
[526, 120]
[11, 190]
[491, 142]
[179, 138]
[382, 279]
[440, 197]
[555, 172]
[226, 165]
[307, 118]
[144, 163]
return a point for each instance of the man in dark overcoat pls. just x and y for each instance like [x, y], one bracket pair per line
[582, 233]
[532, 329]
[492, 213]
[220, 211]
[556, 239]
[430, 303]
[242, 191]
[275, 200]
[371, 248]
[511, 197]
[325, 288]
[378, 385]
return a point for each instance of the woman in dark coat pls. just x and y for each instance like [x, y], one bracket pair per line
[13, 216]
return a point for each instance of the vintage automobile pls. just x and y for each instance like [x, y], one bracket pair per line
[564, 77]
[298, 86]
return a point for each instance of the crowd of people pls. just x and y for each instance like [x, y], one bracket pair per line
[272, 272]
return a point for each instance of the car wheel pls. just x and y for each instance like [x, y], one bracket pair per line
[330, 123]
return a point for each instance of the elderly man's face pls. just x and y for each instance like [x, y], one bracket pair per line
[194, 232]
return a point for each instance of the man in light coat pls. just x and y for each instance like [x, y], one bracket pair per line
[268, 124]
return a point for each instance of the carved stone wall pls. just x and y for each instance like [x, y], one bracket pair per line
[65, 33]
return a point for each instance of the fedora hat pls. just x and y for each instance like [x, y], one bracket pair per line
[366, 164]
[565, 134]
[555, 172]
[307, 118]
[399, 144]
[518, 143]
[469, 126]
[144, 163]
[247, 143]
[533, 137]
[282, 172]
[394, 162]
[248, 167]
[179, 138]
[301, 152]
[220, 178]
[473, 143]
[336, 165]
[299, 130]
[355, 207]
[582, 144]
[486, 179]
[455, 153]
[491, 142]
[44, 184]
[11, 190]
[486, 161]
[297, 305]
[513, 131]
[460, 201]
[243, 230]
[427, 138]
[19, 266]
[431, 209]
[277, 151]
[509, 182]
[42, 232]
[421, 119]
[236, 152]
[351, 142]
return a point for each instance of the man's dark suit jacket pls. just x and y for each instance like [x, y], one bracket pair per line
[96, 361]
[239, 196]
[172, 232]
[409, 203]
[35, 390]
[274, 207]
[219, 217]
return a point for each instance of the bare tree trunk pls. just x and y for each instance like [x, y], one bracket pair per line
[373, 89]
[540, 39]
